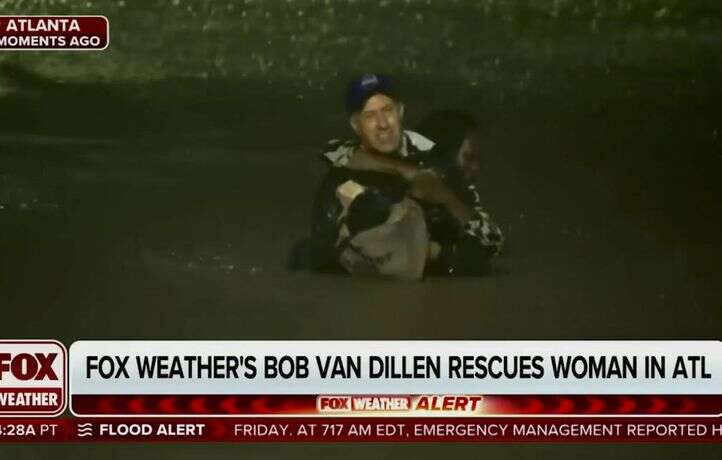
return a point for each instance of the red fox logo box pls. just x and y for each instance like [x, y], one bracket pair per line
[26, 366]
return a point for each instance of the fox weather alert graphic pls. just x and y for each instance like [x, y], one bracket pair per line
[32, 377]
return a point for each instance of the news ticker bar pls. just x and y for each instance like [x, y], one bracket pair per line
[53, 33]
[366, 430]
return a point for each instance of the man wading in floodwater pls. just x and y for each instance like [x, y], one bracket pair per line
[370, 215]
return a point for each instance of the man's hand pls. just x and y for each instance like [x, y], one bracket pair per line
[426, 185]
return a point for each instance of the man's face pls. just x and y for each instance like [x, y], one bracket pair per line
[378, 125]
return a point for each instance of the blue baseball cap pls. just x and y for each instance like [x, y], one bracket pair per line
[361, 89]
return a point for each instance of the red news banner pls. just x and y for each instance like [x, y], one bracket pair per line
[360, 391]
[54, 33]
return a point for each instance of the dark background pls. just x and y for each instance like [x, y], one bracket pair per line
[154, 189]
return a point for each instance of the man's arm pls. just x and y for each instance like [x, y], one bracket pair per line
[428, 186]
[361, 160]
[425, 185]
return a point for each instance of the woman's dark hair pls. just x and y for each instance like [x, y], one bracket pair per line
[447, 128]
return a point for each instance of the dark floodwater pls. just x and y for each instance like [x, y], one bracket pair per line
[173, 217]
